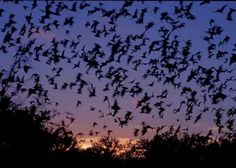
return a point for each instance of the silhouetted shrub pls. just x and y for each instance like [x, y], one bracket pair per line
[181, 148]
[27, 134]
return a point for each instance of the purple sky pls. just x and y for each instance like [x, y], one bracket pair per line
[194, 30]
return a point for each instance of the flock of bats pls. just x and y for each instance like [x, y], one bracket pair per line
[165, 60]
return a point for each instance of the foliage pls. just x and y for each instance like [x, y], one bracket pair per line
[28, 134]
[181, 148]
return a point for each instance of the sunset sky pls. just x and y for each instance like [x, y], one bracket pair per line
[194, 30]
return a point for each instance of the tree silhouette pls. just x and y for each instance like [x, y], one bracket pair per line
[175, 148]
[107, 148]
[28, 135]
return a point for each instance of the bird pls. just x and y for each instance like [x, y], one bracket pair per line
[145, 129]
[232, 59]
[74, 7]
[136, 132]
[104, 126]
[83, 5]
[92, 108]
[68, 21]
[94, 124]
[204, 2]
[109, 132]
[28, 18]
[34, 4]
[198, 117]
[26, 68]
[115, 107]
[156, 8]
[1, 12]
[229, 14]
[221, 9]
[78, 103]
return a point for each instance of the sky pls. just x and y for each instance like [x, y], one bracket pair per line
[194, 30]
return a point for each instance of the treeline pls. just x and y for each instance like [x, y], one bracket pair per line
[28, 136]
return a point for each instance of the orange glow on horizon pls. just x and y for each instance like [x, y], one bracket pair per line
[85, 143]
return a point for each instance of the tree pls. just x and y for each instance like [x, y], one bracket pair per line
[172, 147]
[107, 148]
[149, 64]
[28, 135]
